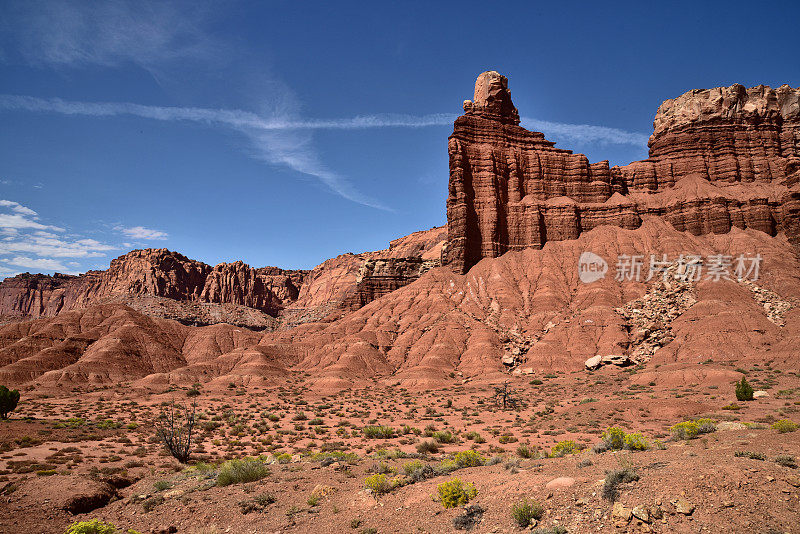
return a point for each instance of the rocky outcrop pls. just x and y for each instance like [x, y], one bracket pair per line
[719, 158]
[380, 276]
[166, 284]
[238, 283]
[154, 273]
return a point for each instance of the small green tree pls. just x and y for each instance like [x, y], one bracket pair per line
[744, 391]
[8, 401]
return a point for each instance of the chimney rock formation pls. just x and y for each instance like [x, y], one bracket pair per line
[718, 158]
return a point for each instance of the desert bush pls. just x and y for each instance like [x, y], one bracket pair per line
[95, 526]
[636, 442]
[470, 518]
[752, 455]
[8, 401]
[378, 432]
[152, 502]
[444, 436]
[525, 511]
[613, 480]
[562, 448]
[455, 493]
[524, 451]
[427, 447]
[506, 438]
[555, 529]
[283, 458]
[785, 425]
[238, 471]
[613, 438]
[469, 459]
[744, 391]
[705, 425]
[161, 485]
[175, 430]
[786, 460]
[380, 483]
[685, 430]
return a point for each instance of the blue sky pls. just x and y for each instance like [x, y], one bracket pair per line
[285, 133]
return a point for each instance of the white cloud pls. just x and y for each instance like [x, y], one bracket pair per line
[586, 133]
[21, 218]
[16, 207]
[140, 232]
[27, 243]
[44, 264]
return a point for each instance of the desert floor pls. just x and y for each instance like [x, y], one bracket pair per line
[78, 455]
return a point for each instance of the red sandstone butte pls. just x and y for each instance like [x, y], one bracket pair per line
[719, 158]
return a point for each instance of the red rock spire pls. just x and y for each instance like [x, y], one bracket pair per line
[492, 99]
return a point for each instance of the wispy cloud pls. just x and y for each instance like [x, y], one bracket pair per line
[74, 33]
[140, 232]
[586, 133]
[44, 264]
[271, 143]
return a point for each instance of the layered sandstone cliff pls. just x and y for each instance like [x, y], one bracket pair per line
[718, 158]
[163, 283]
[157, 273]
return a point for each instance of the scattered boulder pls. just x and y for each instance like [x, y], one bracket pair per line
[641, 513]
[683, 506]
[560, 482]
[619, 513]
[594, 362]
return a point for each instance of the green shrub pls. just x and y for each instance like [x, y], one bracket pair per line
[283, 458]
[95, 526]
[705, 425]
[636, 442]
[455, 493]
[744, 391]
[378, 432]
[525, 511]
[469, 459]
[8, 401]
[524, 451]
[786, 460]
[413, 465]
[562, 448]
[614, 438]
[444, 436]
[507, 438]
[426, 447]
[785, 425]
[685, 430]
[418, 471]
[161, 485]
[238, 471]
[380, 483]
[751, 455]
